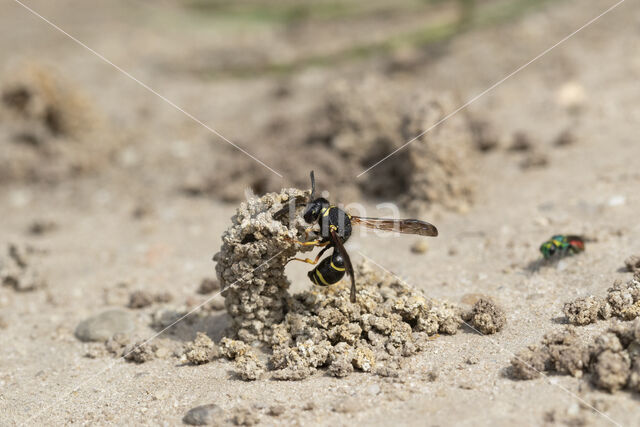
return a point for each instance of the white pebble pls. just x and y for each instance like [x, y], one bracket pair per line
[617, 200]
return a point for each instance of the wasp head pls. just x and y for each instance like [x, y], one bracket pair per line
[548, 249]
[313, 210]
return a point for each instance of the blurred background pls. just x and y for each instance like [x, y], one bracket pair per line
[328, 85]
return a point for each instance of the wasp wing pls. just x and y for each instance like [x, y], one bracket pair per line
[335, 240]
[406, 226]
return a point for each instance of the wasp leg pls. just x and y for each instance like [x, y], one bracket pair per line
[316, 242]
[307, 231]
[307, 260]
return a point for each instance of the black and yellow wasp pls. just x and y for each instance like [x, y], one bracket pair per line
[335, 229]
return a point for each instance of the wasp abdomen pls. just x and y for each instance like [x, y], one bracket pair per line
[329, 271]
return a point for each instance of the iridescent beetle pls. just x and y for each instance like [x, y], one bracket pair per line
[561, 245]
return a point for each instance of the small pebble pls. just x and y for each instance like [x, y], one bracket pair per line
[520, 142]
[534, 160]
[472, 360]
[373, 389]
[208, 286]
[571, 96]
[204, 415]
[466, 385]
[140, 299]
[276, 410]
[574, 409]
[617, 200]
[566, 137]
[217, 304]
[562, 265]
[104, 326]
[420, 246]
[40, 227]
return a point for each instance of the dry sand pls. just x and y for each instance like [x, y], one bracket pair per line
[128, 226]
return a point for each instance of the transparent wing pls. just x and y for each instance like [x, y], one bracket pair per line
[405, 226]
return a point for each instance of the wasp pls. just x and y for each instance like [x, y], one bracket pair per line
[561, 245]
[335, 229]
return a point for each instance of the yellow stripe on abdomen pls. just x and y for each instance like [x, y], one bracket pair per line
[319, 275]
[336, 268]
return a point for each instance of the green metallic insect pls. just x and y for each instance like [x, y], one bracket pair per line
[561, 245]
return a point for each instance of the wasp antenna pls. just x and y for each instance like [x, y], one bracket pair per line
[313, 187]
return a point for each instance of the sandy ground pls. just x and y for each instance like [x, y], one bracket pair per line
[588, 187]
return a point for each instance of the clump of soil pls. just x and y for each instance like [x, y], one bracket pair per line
[208, 286]
[48, 128]
[562, 352]
[318, 328]
[201, 350]
[612, 359]
[633, 263]
[142, 299]
[486, 316]
[19, 269]
[622, 301]
[140, 352]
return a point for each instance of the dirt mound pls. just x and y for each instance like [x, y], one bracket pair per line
[319, 327]
[48, 128]
[355, 126]
[367, 122]
[612, 359]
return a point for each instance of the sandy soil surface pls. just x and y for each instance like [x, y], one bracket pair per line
[125, 223]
